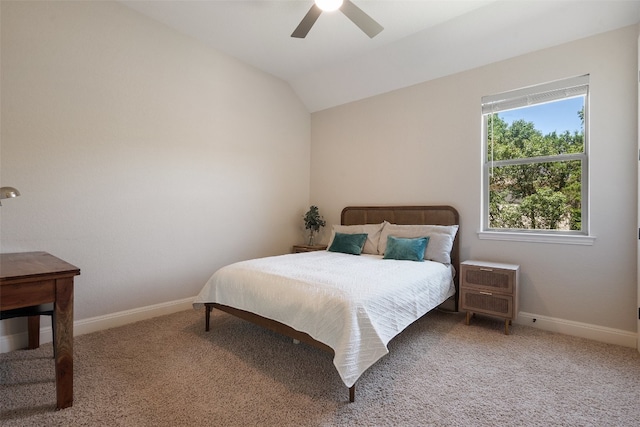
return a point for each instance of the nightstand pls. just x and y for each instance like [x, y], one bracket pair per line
[489, 288]
[308, 248]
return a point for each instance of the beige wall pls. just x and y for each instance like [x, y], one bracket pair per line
[143, 157]
[422, 145]
[149, 160]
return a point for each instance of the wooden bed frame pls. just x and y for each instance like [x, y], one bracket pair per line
[354, 215]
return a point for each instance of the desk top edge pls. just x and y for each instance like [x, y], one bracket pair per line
[32, 264]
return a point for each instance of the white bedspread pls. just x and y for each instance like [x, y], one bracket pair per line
[354, 304]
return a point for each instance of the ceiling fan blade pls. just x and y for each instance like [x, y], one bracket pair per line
[307, 22]
[361, 19]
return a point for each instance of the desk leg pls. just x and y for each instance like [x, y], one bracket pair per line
[64, 342]
[33, 323]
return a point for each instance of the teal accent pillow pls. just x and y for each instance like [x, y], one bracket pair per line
[406, 249]
[348, 243]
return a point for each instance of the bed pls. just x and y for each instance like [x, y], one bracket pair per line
[350, 306]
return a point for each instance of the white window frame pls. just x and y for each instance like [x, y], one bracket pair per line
[538, 94]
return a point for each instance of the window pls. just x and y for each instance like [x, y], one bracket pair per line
[535, 174]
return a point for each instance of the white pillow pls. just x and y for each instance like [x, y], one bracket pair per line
[440, 239]
[373, 235]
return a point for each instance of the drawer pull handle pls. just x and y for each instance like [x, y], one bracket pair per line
[485, 293]
[486, 269]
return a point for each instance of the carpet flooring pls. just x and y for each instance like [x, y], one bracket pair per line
[168, 371]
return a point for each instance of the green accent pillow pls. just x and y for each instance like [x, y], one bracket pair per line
[406, 249]
[348, 243]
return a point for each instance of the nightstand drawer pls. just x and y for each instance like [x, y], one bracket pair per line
[486, 302]
[487, 278]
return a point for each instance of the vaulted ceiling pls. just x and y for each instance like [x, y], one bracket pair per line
[422, 39]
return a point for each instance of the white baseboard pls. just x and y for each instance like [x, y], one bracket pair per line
[94, 324]
[577, 329]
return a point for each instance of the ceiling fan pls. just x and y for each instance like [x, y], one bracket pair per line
[353, 12]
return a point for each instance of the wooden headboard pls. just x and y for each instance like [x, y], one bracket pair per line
[429, 215]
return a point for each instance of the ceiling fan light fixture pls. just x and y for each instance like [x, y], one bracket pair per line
[329, 5]
[366, 23]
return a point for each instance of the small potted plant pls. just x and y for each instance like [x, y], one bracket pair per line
[313, 222]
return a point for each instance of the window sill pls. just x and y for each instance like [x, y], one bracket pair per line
[563, 239]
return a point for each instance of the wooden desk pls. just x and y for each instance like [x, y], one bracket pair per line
[32, 278]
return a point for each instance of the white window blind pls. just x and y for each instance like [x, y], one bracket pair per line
[553, 91]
